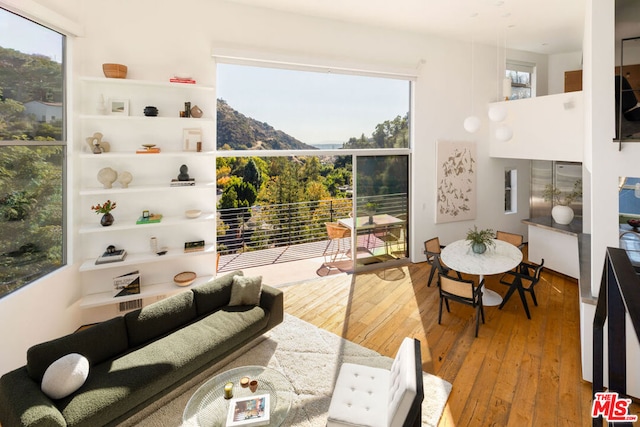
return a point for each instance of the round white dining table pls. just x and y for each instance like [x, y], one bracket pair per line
[500, 257]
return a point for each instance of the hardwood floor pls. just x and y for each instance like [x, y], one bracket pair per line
[518, 372]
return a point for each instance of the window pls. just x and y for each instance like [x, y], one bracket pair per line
[522, 79]
[32, 152]
[510, 190]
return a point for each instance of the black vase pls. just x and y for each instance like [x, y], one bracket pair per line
[106, 220]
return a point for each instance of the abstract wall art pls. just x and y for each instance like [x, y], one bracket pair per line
[456, 181]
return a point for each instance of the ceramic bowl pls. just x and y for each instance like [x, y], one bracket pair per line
[193, 213]
[185, 278]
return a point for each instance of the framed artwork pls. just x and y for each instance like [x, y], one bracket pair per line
[119, 107]
[190, 139]
[456, 181]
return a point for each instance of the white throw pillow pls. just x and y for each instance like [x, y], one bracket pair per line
[65, 375]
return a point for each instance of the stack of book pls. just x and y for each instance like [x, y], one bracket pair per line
[127, 284]
[182, 80]
[154, 150]
[185, 183]
[113, 256]
[151, 219]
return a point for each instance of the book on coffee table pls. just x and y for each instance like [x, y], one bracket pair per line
[249, 411]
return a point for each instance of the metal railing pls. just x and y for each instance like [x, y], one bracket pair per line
[619, 294]
[262, 227]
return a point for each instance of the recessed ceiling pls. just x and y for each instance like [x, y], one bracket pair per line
[541, 26]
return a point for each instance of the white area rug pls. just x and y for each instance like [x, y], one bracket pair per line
[310, 358]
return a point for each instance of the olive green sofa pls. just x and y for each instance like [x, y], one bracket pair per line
[137, 358]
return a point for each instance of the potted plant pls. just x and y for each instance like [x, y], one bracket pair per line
[561, 212]
[370, 208]
[105, 209]
[480, 239]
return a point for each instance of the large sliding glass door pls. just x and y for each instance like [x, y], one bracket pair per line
[381, 209]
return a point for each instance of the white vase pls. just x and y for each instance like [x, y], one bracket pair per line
[562, 214]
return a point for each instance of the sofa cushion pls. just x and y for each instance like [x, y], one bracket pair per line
[65, 375]
[160, 318]
[97, 343]
[246, 290]
[214, 294]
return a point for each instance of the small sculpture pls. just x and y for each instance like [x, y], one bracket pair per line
[97, 145]
[107, 177]
[124, 178]
[184, 173]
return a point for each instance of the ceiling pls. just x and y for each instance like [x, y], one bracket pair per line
[541, 26]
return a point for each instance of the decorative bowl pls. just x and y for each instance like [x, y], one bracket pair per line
[150, 111]
[114, 71]
[193, 213]
[185, 278]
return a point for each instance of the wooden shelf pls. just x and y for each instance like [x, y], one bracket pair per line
[146, 258]
[145, 188]
[146, 291]
[129, 224]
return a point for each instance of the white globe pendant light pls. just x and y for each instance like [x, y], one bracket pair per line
[472, 124]
[497, 113]
[504, 133]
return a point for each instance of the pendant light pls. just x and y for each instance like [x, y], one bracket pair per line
[472, 122]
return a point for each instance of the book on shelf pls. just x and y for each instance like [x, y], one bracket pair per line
[154, 150]
[187, 183]
[194, 246]
[179, 80]
[127, 284]
[113, 256]
[151, 219]
[249, 411]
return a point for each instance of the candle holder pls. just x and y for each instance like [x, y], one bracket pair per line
[228, 390]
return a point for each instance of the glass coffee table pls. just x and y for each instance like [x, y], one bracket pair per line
[208, 407]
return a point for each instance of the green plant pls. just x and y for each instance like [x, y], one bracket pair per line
[371, 207]
[553, 193]
[104, 208]
[485, 236]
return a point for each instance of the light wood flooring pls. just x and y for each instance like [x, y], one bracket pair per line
[518, 372]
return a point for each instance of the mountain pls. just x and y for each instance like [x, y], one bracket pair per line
[240, 132]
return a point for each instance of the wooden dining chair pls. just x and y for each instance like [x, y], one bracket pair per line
[523, 279]
[516, 240]
[462, 291]
[432, 249]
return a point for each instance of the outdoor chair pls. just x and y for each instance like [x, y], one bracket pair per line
[523, 279]
[462, 291]
[336, 234]
[367, 396]
[432, 249]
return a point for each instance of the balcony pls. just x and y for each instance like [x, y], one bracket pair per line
[262, 236]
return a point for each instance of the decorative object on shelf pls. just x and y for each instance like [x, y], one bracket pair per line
[182, 78]
[105, 209]
[190, 139]
[107, 176]
[244, 382]
[150, 111]
[561, 212]
[114, 71]
[153, 244]
[148, 149]
[185, 278]
[97, 145]
[119, 107]
[196, 112]
[195, 246]
[184, 173]
[149, 218]
[480, 239]
[125, 178]
[127, 284]
[111, 254]
[253, 386]
[187, 109]
[192, 213]
[101, 107]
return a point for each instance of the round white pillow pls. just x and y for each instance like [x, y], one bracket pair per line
[65, 375]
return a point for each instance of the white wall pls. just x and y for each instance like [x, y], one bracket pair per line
[560, 63]
[157, 39]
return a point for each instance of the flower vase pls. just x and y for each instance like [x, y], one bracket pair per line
[478, 248]
[106, 220]
[562, 214]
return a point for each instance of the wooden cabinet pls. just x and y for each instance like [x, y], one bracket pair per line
[150, 188]
[573, 81]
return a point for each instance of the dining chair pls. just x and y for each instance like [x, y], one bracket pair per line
[336, 232]
[516, 240]
[462, 291]
[524, 279]
[432, 249]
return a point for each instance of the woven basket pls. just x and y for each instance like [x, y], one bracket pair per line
[185, 278]
[115, 71]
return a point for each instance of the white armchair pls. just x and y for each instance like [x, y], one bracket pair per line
[375, 397]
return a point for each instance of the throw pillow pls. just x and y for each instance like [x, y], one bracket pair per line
[65, 375]
[246, 290]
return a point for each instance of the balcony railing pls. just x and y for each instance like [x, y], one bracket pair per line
[302, 224]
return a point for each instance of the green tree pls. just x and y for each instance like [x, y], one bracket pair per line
[252, 174]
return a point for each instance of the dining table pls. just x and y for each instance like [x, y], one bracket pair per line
[372, 224]
[498, 258]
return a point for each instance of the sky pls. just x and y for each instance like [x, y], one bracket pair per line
[27, 37]
[313, 107]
